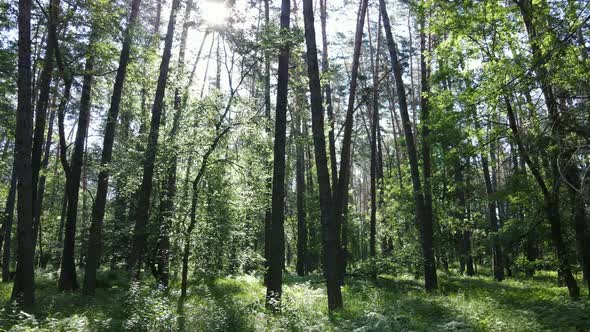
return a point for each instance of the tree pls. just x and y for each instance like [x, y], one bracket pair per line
[341, 190]
[41, 115]
[67, 278]
[328, 95]
[331, 235]
[422, 216]
[277, 241]
[497, 264]
[98, 209]
[143, 204]
[531, 16]
[167, 203]
[374, 137]
[300, 184]
[23, 291]
[7, 227]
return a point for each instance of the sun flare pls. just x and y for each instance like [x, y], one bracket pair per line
[214, 12]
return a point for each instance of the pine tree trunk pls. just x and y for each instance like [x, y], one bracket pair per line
[23, 290]
[42, 180]
[268, 210]
[428, 222]
[374, 151]
[341, 188]
[67, 278]
[331, 233]
[277, 241]
[328, 94]
[143, 205]
[41, 114]
[300, 184]
[424, 222]
[98, 209]
[7, 227]
[167, 201]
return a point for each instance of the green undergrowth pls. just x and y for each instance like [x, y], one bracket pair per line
[236, 303]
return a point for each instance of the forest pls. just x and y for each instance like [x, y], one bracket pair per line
[295, 165]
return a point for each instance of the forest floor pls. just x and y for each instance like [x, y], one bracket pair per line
[236, 304]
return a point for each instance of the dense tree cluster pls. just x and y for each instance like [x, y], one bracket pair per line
[177, 140]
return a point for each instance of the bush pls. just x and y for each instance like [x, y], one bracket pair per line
[148, 309]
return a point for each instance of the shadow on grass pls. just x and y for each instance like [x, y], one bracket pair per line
[403, 303]
[549, 307]
[103, 311]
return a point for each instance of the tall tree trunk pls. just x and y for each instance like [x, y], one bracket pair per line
[330, 231]
[143, 205]
[463, 199]
[426, 162]
[167, 203]
[374, 136]
[328, 94]
[42, 179]
[23, 290]
[530, 14]
[551, 200]
[67, 278]
[424, 223]
[300, 184]
[411, 69]
[41, 112]
[98, 209]
[277, 243]
[7, 227]
[580, 220]
[268, 210]
[497, 264]
[63, 146]
[344, 173]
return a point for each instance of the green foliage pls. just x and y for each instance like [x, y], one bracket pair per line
[148, 309]
[236, 304]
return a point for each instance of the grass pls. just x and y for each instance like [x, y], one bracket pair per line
[237, 304]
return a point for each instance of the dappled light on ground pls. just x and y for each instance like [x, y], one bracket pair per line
[392, 303]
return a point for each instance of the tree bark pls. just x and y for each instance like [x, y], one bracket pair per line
[7, 227]
[331, 233]
[23, 290]
[168, 196]
[374, 149]
[530, 16]
[300, 184]
[267, 106]
[425, 118]
[277, 241]
[580, 220]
